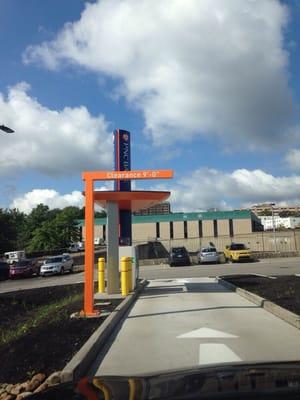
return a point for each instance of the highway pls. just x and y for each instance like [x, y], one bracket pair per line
[275, 266]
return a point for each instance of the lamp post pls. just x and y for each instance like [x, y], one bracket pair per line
[6, 129]
[274, 228]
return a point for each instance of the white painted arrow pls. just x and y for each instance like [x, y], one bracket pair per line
[206, 333]
[216, 353]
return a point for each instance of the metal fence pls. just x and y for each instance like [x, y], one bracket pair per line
[282, 241]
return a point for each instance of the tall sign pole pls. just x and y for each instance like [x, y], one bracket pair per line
[122, 159]
[119, 206]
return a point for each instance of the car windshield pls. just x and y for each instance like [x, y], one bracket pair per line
[209, 250]
[22, 264]
[238, 246]
[178, 250]
[53, 260]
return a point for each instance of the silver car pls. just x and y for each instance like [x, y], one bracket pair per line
[208, 255]
[57, 265]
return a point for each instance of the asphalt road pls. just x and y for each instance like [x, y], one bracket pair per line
[275, 266]
[278, 266]
[181, 323]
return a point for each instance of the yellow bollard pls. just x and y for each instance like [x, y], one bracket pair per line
[124, 276]
[129, 275]
[101, 275]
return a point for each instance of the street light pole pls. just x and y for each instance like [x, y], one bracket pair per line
[274, 229]
[6, 129]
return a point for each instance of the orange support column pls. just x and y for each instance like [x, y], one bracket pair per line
[89, 248]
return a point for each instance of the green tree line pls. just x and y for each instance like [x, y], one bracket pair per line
[282, 214]
[41, 230]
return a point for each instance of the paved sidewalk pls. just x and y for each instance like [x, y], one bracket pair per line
[178, 323]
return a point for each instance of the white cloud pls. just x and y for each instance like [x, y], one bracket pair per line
[49, 197]
[193, 67]
[51, 141]
[205, 188]
[210, 188]
[293, 159]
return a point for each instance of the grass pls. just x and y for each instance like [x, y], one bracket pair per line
[50, 312]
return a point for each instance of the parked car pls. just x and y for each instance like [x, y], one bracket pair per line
[208, 255]
[4, 270]
[237, 252]
[75, 247]
[57, 265]
[23, 269]
[99, 241]
[179, 256]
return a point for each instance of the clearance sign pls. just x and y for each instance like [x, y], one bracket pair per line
[128, 175]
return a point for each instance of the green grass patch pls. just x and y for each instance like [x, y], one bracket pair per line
[36, 317]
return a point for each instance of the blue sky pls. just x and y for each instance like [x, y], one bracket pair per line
[207, 89]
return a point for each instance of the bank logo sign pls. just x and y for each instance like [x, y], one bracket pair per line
[122, 157]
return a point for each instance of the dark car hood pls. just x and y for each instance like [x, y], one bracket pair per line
[216, 382]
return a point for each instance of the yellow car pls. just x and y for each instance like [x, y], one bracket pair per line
[237, 252]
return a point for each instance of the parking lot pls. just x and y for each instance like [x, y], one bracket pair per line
[275, 266]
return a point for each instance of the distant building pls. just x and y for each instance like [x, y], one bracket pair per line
[208, 225]
[287, 222]
[158, 209]
[259, 208]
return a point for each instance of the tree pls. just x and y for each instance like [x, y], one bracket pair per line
[34, 220]
[42, 229]
[58, 231]
[100, 214]
[281, 227]
[44, 238]
[285, 214]
[6, 232]
[67, 229]
[18, 224]
[12, 223]
[266, 212]
[97, 214]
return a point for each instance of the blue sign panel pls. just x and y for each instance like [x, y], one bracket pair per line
[122, 163]
[122, 157]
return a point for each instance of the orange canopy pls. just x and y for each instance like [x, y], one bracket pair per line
[133, 200]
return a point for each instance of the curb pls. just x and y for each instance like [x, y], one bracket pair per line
[78, 365]
[287, 316]
[78, 268]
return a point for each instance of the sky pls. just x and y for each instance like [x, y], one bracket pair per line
[210, 89]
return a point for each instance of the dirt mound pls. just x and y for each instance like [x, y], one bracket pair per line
[37, 333]
[284, 290]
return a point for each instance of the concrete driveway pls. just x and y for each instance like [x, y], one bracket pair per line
[180, 323]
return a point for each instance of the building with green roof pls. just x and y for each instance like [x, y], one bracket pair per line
[208, 224]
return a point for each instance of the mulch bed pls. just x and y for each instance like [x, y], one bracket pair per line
[283, 291]
[50, 345]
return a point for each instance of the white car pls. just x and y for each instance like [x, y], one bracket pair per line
[75, 247]
[57, 265]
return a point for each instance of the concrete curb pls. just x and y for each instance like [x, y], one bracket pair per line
[285, 315]
[79, 364]
[78, 268]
